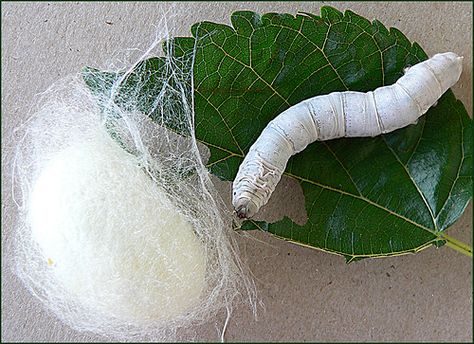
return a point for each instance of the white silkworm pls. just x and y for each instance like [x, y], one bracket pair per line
[335, 115]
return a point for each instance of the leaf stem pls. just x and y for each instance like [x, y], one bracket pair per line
[457, 245]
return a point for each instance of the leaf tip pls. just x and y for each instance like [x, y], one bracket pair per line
[244, 22]
[330, 13]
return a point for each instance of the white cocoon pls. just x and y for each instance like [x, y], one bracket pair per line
[112, 237]
[121, 231]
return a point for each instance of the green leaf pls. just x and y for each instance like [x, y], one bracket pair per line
[365, 197]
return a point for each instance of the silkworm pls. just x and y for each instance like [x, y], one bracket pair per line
[335, 115]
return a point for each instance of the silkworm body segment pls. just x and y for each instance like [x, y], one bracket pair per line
[335, 115]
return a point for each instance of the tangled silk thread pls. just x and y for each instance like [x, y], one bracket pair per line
[121, 231]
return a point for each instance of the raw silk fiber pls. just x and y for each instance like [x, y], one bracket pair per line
[121, 232]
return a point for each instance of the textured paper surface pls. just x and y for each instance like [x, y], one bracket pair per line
[308, 295]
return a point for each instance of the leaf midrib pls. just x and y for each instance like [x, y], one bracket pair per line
[327, 187]
[461, 162]
[425, 201]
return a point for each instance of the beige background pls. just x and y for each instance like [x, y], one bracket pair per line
[308, 295]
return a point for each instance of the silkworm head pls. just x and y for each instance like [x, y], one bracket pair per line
[244, 207]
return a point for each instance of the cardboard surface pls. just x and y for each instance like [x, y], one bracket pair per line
[308, 295]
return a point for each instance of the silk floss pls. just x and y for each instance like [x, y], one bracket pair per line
[121, 231]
